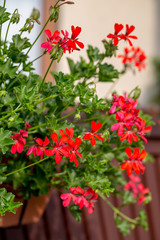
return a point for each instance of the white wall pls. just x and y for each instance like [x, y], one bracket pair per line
[97, 18]
[25, 9]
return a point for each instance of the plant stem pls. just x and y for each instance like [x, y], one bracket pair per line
[46, 73]
[7, 32]
[4, 3]
[38, 36]
[16, 110]
[68, 115]
[38, 126]
[88, 119]
[20, 169]
[45, 99]
[116, 210]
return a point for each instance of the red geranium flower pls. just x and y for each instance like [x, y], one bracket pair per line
[115, 36]
[134, 161]
[92, 135]
[73, 41]
[80, 198]
[138, 189]
[135, 56]
[19, 141]
[39, 150]
[73, 150]
[126, 36]
[59, 149]
[52, 39]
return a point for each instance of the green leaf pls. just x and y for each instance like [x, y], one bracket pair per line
[128, 198]
[93, 54]
[143, 219]
[20, 43]
[2, 170]
[7, 69]
[5, 140]
[107, 73]
[4, 16]
[76, 212]
[122, 225]
[7, 203]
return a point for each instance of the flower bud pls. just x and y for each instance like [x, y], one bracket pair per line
[35, 15]
[11, 119]
[137, 93]
[15, 17]
[54, 13]
[77, 116]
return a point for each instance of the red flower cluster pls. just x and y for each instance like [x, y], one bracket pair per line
[135, 161]
[66, 43]
[135, 56]
[130, 126]
[138, 189]
[19, 140]
[80, 197]
[65, 146]
[91, 135]
[116, 36]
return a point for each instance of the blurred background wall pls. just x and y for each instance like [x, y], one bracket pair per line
[97, 19]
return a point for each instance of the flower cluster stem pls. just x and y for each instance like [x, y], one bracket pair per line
[46, 73]
[30, 165]
[117, 211]
[38, 35]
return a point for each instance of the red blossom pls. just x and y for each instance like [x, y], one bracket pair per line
[52, 39]
[40, 149]
[65, 42]
[138, 189]
[27, 126]
[69, 132]
[81, 198]
[73, 150]
[134, 56]
[127, 35]
[115, 36]
[59, 149]
[73, 41]
[91, 135]
[19, 141]
[134, 161]
[142, 129]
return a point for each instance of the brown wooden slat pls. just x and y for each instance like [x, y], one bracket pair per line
[36, 231]
[153, 208]
[56, 221]
[110, 227]
[14, 233]
[77, 231]
[94, 224]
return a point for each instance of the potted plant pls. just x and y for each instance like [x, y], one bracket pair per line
[45, 145]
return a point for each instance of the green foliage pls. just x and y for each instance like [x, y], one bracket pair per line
[107, 73]
[4, 16]
[5, 140]
[76, 213]
[143, 219]
[7, 203]
[127, 198]
[123, 225]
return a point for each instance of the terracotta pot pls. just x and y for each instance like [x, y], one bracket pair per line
[30, 212]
